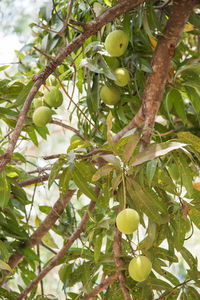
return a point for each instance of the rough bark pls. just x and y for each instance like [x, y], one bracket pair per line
[163, 54]
[119, 262]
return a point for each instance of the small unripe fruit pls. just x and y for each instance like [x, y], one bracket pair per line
[54, 98]
[139, 268]
[110, 95]
[127, 221]
[123, 77]
[42, 116]
[116, 43]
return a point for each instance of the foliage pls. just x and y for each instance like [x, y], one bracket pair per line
[157, 182]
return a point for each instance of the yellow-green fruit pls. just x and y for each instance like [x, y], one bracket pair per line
[75, 138]
[127, 221]
[54, 98]
[122, 75]
[139, 268]
[38, 102]
[42, 116]
[116, 43]
[112, 62]
[110, 95]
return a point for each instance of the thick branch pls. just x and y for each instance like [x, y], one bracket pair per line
[62, 252]
[135, 122]
[164, 52]
[117, 249]
[102, 286]
[91, 29]
[44, 227]
[35, 180]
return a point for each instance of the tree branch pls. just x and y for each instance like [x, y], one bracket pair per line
[104, 284]
[44, 227]
[117, 249]
[162, 56]
[62, 252]
[92, 28]
[35, 180]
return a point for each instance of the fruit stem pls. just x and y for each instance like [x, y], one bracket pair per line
[124, 187]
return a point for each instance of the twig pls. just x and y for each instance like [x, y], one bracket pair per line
[62, 86]
[39, 270]
[59, 123]
[34, 180]
[163, 5]
[44, 227]
[61, 253]
[47, 247]
[102, 286]
[177, 286]
[54, 8]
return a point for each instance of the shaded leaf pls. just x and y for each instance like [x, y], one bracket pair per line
[105, 170]
[97, 248]
[130, 146]
[5, 266]
[155, 150]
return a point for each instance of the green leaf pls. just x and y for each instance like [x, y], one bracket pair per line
[160, 285]
[107, 2]
[165, 254]
[6, 111]
[178, 104]
[170, 277]
[86, 169]
[150, 170]
[179, 231]
[23, 94]
[155, 150]
[192, 293]
[143, 200]
[183, 296]
[97, 248]
[32, 135]
[193, 97]
[4, 190]
[195, 216]
[186, 173]
[109, 134]
[82, 184]
[188, 257]
[57, 166]
[4, 251]
[191, 139]
[64, 180]
[5, 266]
[105, 170]
[130, 146]
[8, 295]
[4, 67]
[29, 253]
